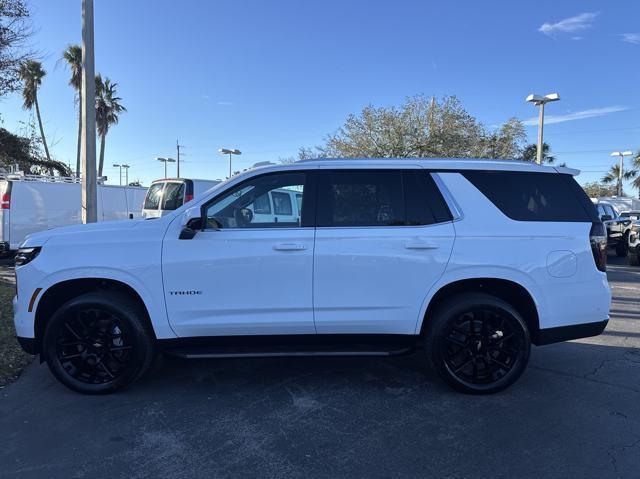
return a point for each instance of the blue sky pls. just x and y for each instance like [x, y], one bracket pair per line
[270, 76]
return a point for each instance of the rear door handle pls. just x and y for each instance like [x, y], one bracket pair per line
[421, 245]
[290, 247]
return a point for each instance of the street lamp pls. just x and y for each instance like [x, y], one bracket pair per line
[621, 154]
[226, 151]
[540, 101]
[165, 161]
[126, 174]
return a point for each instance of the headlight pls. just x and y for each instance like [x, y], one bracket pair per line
[26, 255]
[635, 227]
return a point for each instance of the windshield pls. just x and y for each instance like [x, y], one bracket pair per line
[152, 200]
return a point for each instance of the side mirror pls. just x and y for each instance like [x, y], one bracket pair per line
[191, 228]
[606, 218]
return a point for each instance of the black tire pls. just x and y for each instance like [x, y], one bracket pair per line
[634, 260]
[474, 329]
[98, 343]
[622, 248]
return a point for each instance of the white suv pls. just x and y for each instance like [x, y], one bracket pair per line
[471, 260]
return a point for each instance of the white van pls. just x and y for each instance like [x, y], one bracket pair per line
[32, 203]
[168, 194]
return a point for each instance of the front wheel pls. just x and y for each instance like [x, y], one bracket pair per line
[477, 343]
[98, 343]
[634, 259]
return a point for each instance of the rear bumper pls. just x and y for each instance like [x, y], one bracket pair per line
[28, 345]
[567, 333]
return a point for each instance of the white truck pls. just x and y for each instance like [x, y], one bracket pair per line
[33, 203]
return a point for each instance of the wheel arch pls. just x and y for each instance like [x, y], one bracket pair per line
[507, 290]
[59, 293]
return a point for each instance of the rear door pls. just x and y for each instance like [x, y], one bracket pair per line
[383, 238]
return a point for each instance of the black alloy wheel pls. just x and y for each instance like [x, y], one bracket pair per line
[96, 343]
[478, 344]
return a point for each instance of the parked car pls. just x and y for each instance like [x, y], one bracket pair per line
[473, 261]
[32, 203]
[169, 194]
[634, 243]
[632, 215]
[617, 228]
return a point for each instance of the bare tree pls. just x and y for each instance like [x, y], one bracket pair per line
[14, 32]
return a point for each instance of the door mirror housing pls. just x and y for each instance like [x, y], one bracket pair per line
[192, 222]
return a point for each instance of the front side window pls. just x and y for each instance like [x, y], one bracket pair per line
[247, 204]
[152, 200]
[173, 196]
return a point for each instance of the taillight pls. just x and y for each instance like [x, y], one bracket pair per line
[188, 198]
[6, 201]
[598, 240]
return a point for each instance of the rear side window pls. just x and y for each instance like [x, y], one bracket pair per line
[152, 200]
[529, 196]
[173, 196]
[379, 198]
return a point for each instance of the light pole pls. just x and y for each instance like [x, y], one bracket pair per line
[88, 113]
[540, 101]
[165, 161]
[227, 151]
[126, 174]
[120, 177]
[621, 154]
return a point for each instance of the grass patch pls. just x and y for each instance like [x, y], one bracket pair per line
[12, 358]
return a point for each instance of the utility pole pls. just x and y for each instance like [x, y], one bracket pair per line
[178, 146]
[88, 142]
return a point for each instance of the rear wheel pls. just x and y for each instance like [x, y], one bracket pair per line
[622, 248]
[98, 343]
[634, 260]
[477, 343]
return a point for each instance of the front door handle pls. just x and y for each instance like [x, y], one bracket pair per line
[290, 247]
[421, 245]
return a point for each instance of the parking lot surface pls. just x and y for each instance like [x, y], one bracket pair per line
[574, 413]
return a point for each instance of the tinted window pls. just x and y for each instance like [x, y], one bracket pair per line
[424, 202]
[243, 206]
[360, 198]
[152, 200]
[282, 203]
[526, 196]
[173, 196]
[262, 205]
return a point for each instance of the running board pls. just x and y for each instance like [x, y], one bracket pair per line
[289, 346]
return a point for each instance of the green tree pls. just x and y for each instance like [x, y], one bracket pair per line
[108, 110]
[420, 127]
[14, 33]
[636, 166]
[21, 150]
[73, 56]
[31, 74]
[613, 176]
[596, 189]
[530, 153]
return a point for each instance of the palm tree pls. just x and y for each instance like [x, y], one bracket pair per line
[108, 108]
[613, 175]
[31, 74]
[636, 166]
[73, 56]
[530, 151]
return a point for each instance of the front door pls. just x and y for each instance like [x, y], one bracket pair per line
[383, 239]
[246, 273]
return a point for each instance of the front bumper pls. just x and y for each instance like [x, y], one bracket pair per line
[567, 333]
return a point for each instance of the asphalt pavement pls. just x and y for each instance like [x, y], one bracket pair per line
[574, 413]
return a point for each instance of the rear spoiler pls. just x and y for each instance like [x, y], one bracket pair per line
[567, 171]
